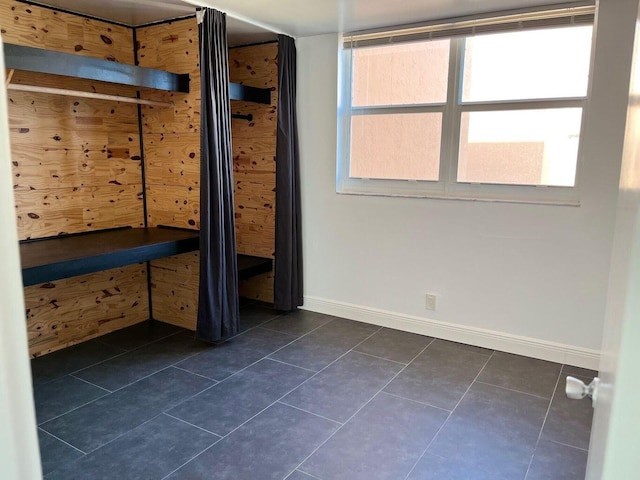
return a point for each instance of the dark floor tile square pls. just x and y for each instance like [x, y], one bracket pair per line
[134, 365]
[555, 461]
[54, 453]
[245, 302]
[148, 452]
[523, 374]
[383, 441]
[309, 353]
[439, 376]
[227, 358]
[101, 421]
[463, 346]
[578, 372]
[253, 315]
[345, 333]
[58, 364]
[60, 396]
[232, 402]
[493, 430]
[342, 388]
[324, 345]
[299, 322]
[139, 335]
[394, 345]
[569, 421]
[432, 467]
[269, 446]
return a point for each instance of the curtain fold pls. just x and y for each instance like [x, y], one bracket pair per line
[218, 309]
[288, 263]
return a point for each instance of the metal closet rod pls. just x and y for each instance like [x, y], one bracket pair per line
[100, 96]
[249, 117]
[77, 93]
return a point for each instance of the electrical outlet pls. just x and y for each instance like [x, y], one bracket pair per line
[430, 302]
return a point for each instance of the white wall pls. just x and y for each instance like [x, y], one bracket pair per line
[525, 278]
[19, 456]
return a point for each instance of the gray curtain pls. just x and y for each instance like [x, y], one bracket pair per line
[218, 310]
[288, 263]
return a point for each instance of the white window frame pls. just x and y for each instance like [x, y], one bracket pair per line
[447, 186]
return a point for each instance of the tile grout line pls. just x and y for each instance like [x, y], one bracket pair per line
[72, 410]
[417, 401]
[98, 339]
[310, 413]
[306, 473]
[514, 390]
[73, 373]
[89, 383]
[125, 352]
[448, 417]
[66, 443]
[265, 357]
[567, 445]
[262, 325]
[363, 405]
[379, 358]
[283, 396]
[124, 433]
[196, 426]
[290, 364]
[544, 421]
[196, 374]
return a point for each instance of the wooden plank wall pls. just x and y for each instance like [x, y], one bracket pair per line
[171, 139]
[172, 157]
[76, 167]
[254, 155]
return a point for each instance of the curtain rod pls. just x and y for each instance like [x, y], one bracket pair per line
[77, 93]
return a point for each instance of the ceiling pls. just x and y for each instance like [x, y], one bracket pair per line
[140, 12]
[254, 21]
[302, 18]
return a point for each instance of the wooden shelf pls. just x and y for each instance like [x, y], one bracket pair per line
[67, 256]
[249, 266]
[54, 258]
[30, 59]
[38, 60]
[245, 93]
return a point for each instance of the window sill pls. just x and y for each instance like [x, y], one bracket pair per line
[491, 197]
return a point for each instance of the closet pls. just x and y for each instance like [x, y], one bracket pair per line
[107, 191]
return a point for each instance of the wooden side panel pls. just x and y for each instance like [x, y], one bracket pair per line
[49, 212]
[73, 310]
[172, 164]
[254, 154]
[76, 167]
[174, 288]
[33, 26]
[172, 155]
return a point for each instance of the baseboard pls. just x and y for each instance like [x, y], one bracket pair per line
[505, 342]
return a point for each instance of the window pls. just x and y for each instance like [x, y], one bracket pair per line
[488, 109]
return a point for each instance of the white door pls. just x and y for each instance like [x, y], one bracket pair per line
[615, 437]
[19, 456]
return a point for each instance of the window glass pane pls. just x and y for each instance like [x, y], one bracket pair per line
[549, 63]
[404, 73]
[520, 147]
[396, 146]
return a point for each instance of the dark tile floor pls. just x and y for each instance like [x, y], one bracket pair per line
[304, 396]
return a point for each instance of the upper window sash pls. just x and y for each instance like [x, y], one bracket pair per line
[543, 17]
